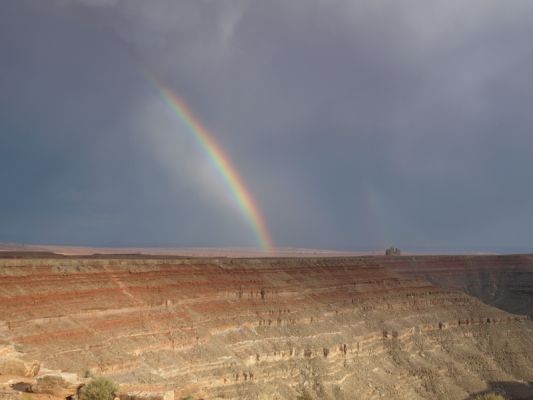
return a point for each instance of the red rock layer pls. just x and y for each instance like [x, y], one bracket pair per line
[217, 326]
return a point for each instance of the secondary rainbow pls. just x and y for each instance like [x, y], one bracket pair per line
[220, 161]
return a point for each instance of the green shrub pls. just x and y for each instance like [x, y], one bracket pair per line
[489, 396]
[99, 389]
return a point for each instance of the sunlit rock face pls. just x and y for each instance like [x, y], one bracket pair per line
[338, 328]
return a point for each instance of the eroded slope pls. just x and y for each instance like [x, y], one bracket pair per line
[504, 281]
[246, 328]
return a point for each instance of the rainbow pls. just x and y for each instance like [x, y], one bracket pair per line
[220, 161]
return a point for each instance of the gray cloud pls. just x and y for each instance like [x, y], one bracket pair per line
[354, 125]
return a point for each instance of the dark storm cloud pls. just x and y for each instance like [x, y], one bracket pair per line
[355, 125]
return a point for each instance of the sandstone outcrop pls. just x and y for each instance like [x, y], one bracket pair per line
[58, 384]
[361, 327]
[11, 362]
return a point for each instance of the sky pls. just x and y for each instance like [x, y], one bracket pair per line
[354, 125]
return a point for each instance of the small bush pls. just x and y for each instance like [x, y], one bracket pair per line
[99, 389]
[489, 396]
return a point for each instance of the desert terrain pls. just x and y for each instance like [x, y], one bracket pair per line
[345, 327]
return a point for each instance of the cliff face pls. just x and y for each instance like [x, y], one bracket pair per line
[246, 328]
[505, 282]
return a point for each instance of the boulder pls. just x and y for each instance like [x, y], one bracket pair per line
[60, 384]
[13, 366]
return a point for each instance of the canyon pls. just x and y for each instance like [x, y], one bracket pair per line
[361, 327]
